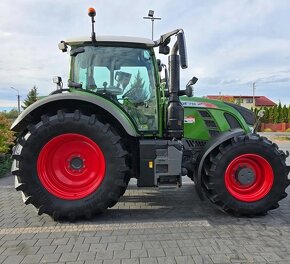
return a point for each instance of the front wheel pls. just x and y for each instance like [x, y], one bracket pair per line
[70, 165]
[246, 176]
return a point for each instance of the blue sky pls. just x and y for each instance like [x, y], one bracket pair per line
[231, 43]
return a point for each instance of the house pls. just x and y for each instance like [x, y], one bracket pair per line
[247, 101]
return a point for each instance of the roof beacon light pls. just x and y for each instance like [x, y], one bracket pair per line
[92, 14]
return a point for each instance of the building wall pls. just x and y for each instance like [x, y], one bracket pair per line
[245, 102]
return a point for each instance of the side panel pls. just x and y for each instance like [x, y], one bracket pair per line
[204, 119]
[25, 117]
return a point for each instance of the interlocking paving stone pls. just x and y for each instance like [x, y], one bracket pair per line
[87, 256]
[13, 260]
[29, 259]
[65, 257]
[48, 258]
[121, 254]
[139, 253]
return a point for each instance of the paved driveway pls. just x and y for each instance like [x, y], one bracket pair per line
[146, 226]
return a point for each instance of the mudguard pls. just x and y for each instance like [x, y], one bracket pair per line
[211, 145]
[75, 98]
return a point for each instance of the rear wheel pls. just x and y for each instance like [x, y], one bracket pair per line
[246, 176]
[70, 165]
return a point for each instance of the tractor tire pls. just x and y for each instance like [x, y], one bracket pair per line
[246, 176]
[70, 165]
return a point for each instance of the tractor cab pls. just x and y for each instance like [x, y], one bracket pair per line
[125, 71]
[120, 69]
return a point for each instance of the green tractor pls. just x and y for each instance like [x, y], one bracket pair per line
[79, 147]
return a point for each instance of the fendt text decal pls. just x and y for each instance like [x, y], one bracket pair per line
[198, 104]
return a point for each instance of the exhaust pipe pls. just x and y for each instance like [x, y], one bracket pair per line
[175, 111]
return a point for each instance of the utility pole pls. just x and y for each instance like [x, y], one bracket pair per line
[152, 18]
[254, 88]
[18, 99]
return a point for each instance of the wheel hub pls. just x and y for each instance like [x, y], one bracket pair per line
[71, 166]
[249, 177]
[76, 163]
[246, 176]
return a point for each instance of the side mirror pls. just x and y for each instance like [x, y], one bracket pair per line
[182, 50]
[192, 81]
[188, 90]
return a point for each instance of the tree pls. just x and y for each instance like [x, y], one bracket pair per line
[12, 114]
[31, 97]
[137, 93]
[279, 113]
[288, 114]
[271, 115]
[6, 135]
[285, 113]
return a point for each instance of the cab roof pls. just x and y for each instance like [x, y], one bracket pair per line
[114, 39]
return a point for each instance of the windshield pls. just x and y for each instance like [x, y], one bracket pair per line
[114, 70]
[125, 75]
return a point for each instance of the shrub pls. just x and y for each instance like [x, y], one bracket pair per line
[288, 130]
[5, 164]
[6, 135]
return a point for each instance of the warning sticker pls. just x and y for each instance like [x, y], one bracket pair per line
[189, 119]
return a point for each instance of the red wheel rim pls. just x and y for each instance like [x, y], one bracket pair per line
[262, 178]
[71, 166]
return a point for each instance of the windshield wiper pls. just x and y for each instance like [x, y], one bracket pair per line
[76, 51]
[74, 84]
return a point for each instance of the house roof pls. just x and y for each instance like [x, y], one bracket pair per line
[259, 100]
[263, 101]
[220, 97]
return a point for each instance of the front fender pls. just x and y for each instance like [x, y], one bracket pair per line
[210, 146]
[44, 106]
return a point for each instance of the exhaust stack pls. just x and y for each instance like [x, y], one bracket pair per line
[175, 111]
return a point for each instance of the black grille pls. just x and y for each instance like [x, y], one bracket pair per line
[195, 143]
[233, 122]
[213, 133]
[204, 113]
[210, 123]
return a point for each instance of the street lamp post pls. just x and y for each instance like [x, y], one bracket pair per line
[152, 18]
[18, 99]
[254, 89]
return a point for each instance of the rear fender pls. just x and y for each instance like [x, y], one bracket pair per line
[210, 146]
[47, 104]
